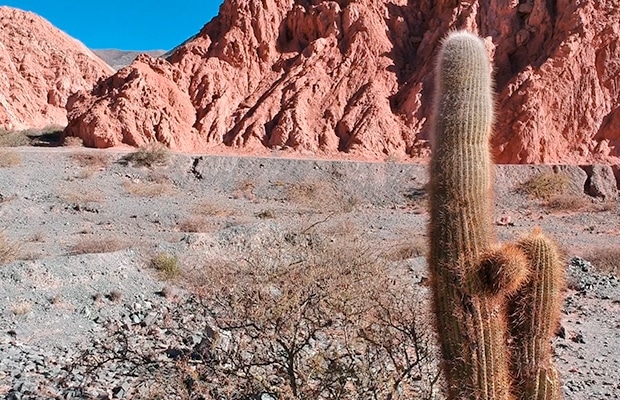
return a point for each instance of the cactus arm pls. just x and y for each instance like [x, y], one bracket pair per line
[534, 316]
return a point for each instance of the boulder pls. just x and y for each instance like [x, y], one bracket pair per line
[601, 182]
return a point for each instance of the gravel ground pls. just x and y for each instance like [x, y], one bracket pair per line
[89, 224]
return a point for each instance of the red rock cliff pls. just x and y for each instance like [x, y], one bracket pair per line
[323, 77]
[40, 66]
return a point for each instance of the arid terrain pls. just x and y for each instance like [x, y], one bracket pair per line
[91, 234]
[278, 252]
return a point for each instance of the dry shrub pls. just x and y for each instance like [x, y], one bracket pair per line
[210, 209]
[193, 225]
[14, 139]
[49, 135]
[72, 141]
[320, 196]
[85, 173]
[78, 194]
[9, 158]
[606, 260]
[312, 320]
[578, 204]
[404, 250]
[167, 265]
[37, 237]
[92, 245]
[8, 250]
[90, 160]
[545, 185]
[21, 308]
[604, 205]
[149, 156]
[244, 190]
[568, 203]
[266, 214]
[114, 296]
[148, 188]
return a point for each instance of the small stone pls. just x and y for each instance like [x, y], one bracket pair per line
[135, 318]
[578, 338]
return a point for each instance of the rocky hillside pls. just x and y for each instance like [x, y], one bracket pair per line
[326, 77]
[40, 66]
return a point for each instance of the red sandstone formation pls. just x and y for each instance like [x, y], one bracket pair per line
[140, 104]
[40, 66]
[326, 77]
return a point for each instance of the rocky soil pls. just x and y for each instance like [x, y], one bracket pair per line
[84, 315]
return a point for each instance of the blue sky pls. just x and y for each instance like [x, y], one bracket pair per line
[125, 24]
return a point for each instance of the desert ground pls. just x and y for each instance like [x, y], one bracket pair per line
[108, 266]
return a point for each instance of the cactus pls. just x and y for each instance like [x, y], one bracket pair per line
[471, 321]
[474, 279]
[534, 315]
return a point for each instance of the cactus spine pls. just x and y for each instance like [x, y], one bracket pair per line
[477, 284]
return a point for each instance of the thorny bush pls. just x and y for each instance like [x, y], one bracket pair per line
[321, 322]
[302, 317]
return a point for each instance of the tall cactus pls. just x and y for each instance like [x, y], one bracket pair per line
[473, 277]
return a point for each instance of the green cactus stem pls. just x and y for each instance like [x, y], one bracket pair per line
[471, 321]
[534, 317]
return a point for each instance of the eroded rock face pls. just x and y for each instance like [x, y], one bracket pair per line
[333, 77]
[138, 105]
[40, 66]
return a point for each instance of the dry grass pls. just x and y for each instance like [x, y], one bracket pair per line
[405, 250]
[545, 185]
[193, 225]
[167, 265]
[90, 160]
[148, 188]
[92, 245]
[45, 136]
[606, 260]
[149, 156]
[78, 194]
[72, 141]
[320, 196]
[9, 158]
[244, 190]
[211, 209]
[21, 308]
[8, 250]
